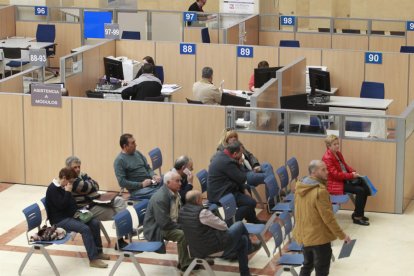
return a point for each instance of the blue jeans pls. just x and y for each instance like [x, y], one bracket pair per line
[245, 208]
[144, 193]
[256, 178]
[90, 232]
[240, 244]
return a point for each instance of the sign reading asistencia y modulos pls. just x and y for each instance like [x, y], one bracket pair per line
[46, 94]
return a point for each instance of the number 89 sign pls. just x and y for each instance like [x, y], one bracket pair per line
[244, 51]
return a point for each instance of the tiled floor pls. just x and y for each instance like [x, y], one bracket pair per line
[384, 248]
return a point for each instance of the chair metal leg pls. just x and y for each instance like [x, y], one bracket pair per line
[105, 233]
[257, 196]
[26, 259]
[50, 261]
[332, 258]
[116, 265]
[136, 263]
[202, 262]
[260, 237]
[293, 271]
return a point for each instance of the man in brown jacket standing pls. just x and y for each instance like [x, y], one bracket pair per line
[315, 224]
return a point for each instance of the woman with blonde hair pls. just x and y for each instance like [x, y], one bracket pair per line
[342, 178]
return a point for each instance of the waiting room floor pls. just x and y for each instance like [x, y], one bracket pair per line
[384, 248]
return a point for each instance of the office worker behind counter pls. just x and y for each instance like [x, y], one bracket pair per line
[146, 85]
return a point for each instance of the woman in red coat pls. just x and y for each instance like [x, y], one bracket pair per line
[344, 179]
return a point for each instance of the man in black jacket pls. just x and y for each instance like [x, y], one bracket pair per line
[208, 235]
[146, 85]
[225, 175]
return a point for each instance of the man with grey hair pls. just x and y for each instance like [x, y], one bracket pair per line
[85, 190]
[205, 91]
[184, 167]
[315, 223]
[160, 221]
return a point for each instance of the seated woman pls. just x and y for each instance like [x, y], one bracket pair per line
[145, 60]
[262, 64]
[248, 160]
[344, 179]
[61, 207]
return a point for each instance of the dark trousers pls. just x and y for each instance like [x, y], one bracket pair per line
[245, 208]
[90, 232]
[356, 187]
[316, 257]
[240, 245]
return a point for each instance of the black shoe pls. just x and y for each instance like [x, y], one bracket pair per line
[254, 247]
[259, 221]
[210, 261]
[197, 267]
[121, 243]
[360, 222]
[364, 218]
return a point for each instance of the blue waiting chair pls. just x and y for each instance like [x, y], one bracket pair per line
[274, 193]
[286, 219]
[373, 90]
[34, 220]
[203, 178]
[123, 224]
[228, 202]
[289, 43]
[131, 35]
[407, 49]
[283, 176]
[156, 159]
[293, 166]
[205, 35]
[159, 72]
[287, 261]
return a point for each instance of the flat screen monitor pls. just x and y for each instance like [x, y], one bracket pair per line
[228, 99]
[263, 75]
[113, 69]
[319, 79]
[297, 102]
[94, 23]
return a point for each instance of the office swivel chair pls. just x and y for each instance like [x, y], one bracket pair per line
[373, 90]
[131, 35]
[407, 49]
[159, 73]
[47, 33]
[357, 126]
[205, 35]
[93, 94]
[289, 43]
[351, 31]
[15, 56]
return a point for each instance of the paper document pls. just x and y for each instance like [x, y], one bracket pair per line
[346, 249]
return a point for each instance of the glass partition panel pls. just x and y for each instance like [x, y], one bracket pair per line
[314, 24]
[268, 22]
[388, 27]
[351, 26]
[166, 26]
[35, 74]
[27, 13]
[73, 64]
[65, 14]
[409, 122]
[134, 21]
[254, 119]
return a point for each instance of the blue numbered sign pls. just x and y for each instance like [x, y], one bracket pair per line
[189, 16]
[287, 20]
[187, 49]
[245, 51]
[410, 25]
[40, 10]
[373, 57]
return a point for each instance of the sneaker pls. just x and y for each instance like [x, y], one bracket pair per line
[102, 256]
[254, 247]
[98, 264]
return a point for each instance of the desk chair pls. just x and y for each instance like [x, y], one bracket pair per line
[377, 32]
[229, 99]
[398, 33]
[131, 35]
[373, 90]
[205, 35]
[193, 101]
[326, 30]
[47, 33]
[93, 94]
[357, 126]
[155, 99]
[289, 43]
[159, 72]
[407, 49]
[15, 54]
[351, 31]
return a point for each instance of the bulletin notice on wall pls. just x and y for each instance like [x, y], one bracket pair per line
[239, 6]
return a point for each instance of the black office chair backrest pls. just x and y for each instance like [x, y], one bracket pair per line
[131, 35]
[155, 99]
[289, 43]
[46, 33]
[205, 35]
[93, 94]
[407, 49]
[377, 32]
[351, 31]
[12, 53]
[228, 99]
[193, 101]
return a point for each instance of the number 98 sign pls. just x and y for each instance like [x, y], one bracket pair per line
[410, 26]
[373, 57]
[287, 20]
[187, 49]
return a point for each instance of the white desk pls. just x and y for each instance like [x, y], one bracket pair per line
[167, 90]
[23, 42]
[359, 134]
[239, 93]
[359, 103]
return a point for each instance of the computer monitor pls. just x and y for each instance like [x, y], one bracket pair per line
[297, 102]
[319, 79]
[233, 100]
[113, 69]
[263, 75]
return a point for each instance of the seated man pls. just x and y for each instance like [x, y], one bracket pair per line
[61, 207]
[85, 190]
[205, 91]
[184, 167]
[161, 218]
[133, 172]
[207, 234]
[146, 85]
[226, 175]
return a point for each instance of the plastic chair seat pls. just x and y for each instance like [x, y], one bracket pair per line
[290, 197]
[294, 246]
[16, 63]
[254, 229]
[142, 246]
[339, 199]
[335, 208]
[291, 259]
[61, 241]
[282, 206]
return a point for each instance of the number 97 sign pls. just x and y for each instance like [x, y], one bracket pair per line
[373, 58]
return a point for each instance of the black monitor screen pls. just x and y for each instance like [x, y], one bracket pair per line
[297, 102]
[263, 75]
[113, 69]
[319, 79]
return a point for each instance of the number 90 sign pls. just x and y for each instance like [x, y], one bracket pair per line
[373, 57]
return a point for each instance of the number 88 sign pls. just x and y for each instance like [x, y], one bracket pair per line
[187, 49]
